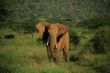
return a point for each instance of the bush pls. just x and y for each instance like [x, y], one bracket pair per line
[9, 36]
[100, 41]
[74, 38]
[96, 51]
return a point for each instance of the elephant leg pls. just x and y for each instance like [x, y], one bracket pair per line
[49, 52]
[66, 54]
[52, 55]
[57, 54]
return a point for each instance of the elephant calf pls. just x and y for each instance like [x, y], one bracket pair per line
[56, 36]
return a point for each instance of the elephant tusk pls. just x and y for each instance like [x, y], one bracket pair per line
[56, 46]
[47, 43]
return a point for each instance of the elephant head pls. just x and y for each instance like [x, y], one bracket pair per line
[56, 31]
[42, 30]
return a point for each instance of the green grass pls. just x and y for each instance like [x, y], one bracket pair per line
[26, 54]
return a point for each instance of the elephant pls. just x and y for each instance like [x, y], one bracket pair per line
[56, 38]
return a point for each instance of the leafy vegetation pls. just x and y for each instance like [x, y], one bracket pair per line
[95, 22]
[95, 53]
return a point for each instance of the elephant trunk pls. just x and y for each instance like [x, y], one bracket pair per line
[52, 46]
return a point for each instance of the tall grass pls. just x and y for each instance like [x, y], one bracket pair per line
[25, 54]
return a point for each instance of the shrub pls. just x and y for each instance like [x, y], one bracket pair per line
[101, 41]
[74, 38]
[96, 51]
[9, 36]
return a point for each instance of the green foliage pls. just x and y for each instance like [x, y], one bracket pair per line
[95, 22]
[96, 51]
[74, 38]
[100, 41]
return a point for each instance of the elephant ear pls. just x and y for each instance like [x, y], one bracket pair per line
[62, 29]
[41, 27]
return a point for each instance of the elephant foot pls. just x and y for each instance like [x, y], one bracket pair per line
[66, 58]
[53, 59]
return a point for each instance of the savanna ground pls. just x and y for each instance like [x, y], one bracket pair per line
[22, 53]
[26, 54]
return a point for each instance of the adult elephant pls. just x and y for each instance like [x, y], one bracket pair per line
[57, 38]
